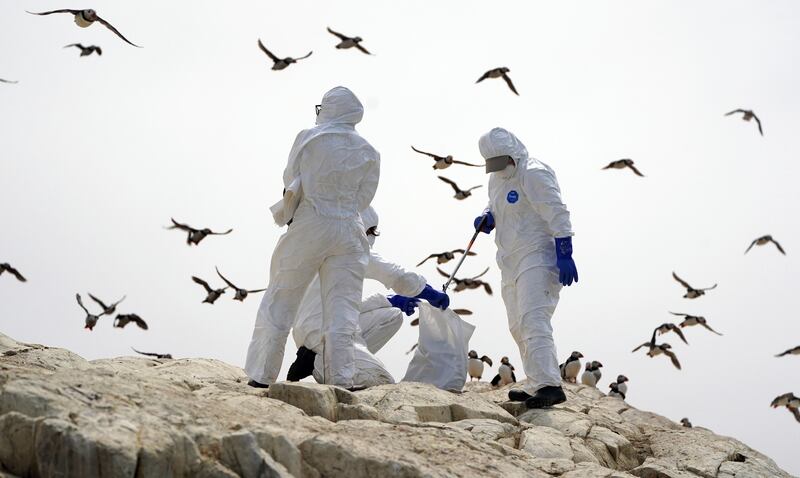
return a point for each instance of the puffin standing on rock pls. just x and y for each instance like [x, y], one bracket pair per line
[505, 374]
[615, 391]
[475, 365]
[622, 384]
[589, 377]
[570, 368]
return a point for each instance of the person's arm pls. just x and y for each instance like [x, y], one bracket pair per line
[369, 185]
[393, 276]
[541, 189]
[292, 169]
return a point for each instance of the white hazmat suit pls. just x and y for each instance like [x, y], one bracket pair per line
[526, 203]
[378, 321]
[335, 172]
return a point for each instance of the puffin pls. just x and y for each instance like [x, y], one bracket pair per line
[107, 309]
[85, 19]
[91, 319]
[6, 267]
[121, 320]
[790, 401]
[596, 370]
[280, 63]
[667, 327]
[686, 423]
[691, 293]
[446, 256]
[150, 354]
[765, 240]
[444, 162]
[747, 115]
[571, 367]
[791, 351]
[588, 376]
[348, 42]
[86, 50]
[460, 193]
[501, 72]
[241, 294]
[615, 391]
[194, 236]
[475, 365]
[690, 320]
[211, 294]
[654, 349]
[471, 283]
[622, 383]
[624, 163]
[505, 374]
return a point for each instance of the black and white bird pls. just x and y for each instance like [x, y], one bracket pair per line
[8, 82]
[85, 18]
[91, 319]
[86, 50]
[149, 354]
[791, 351]
[107, 309]
[460, 193]
[667, 327]
[622, 384]
[471, 283]
[505, 374]
[348, 42]
[790, 401]
[691, 292]
[596, 366]
[686, 423]
[501, 72]
[475, 365]
[194, 236]
[690, 320]
[571, 367]
[280, 63]
[444, 162]
[765, 240]
[622, 164]
[121, 320]
[211, 294]
[615, 391]
[589, 376]
[654, 349]
[6, 267]
[446, 256]
[747, 115]
[241, 294]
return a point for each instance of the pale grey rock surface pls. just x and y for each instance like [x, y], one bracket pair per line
[61, 415]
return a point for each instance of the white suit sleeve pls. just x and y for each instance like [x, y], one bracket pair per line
[293, 165]
[375, 302]
[368, 187]
[393, 276]
[541, 189]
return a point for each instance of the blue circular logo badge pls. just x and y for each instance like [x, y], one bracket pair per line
[512, 197]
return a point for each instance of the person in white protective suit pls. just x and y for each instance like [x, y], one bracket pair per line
[380, 319]
[533, 234]
[332, 174]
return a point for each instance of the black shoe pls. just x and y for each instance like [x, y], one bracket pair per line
[518, 395]
[255, 384]
[546, 397]
[303, 365]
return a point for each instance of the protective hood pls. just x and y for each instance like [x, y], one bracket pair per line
[501, 142]
[340, 105]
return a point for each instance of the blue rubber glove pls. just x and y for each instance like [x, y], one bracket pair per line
[406, 304]
[434, 297]
[567, 271]
[488, 225]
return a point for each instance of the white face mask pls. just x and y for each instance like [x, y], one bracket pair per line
[371, 240]
[507, 172]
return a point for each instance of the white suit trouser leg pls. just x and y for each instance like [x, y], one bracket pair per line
[530, 302]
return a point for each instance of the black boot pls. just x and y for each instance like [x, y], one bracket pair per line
[546, 397]
[255, 384]
[518, 395]
[303, 365]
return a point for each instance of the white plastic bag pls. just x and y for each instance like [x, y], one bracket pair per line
[283, 210]
[441, 356]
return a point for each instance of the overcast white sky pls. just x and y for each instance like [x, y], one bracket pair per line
[97, 153]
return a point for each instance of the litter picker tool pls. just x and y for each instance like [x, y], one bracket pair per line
[464, 256]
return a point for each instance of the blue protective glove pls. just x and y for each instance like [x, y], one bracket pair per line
[406, 304]
[567, 271]
[434, 297]
[488, 225]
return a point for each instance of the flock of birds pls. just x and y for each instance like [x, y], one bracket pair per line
[569, 369]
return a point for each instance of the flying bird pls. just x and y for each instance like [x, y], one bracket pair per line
[121, 320]
[241, 294]
[471, 283]
[747, 115]
[447, 256]
[6, 267]
[570, 368]
[8, 81]
[666, 327]
[654, 349]
[280, 63]
[791, 351]
[475, 365]
[622, 164]
[765, 240]
[91, 319]
[691, 293]
[690, 320]
[194, 236]
[790, 401]
[501, 72]
[444, 162]
[348, 42]
[149, 354]
[505, 374]
[107, 309]
[211, 294]
[87, 50]
[85, 18]
[460, 194]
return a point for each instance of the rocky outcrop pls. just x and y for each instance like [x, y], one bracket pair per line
[61, 415]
